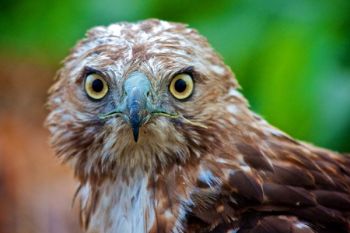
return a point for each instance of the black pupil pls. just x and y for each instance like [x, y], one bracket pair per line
[180, 85]
[97, 85]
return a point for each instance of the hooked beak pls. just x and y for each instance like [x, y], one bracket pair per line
[136, 101]
[137, 106]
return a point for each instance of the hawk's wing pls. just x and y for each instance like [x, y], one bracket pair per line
[280, 186]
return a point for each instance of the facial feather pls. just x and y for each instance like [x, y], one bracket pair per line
[159, 49]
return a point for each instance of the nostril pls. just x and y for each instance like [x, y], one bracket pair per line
[148, 93]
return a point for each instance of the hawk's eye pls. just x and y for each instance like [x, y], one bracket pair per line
[181, 86]
[95, 86]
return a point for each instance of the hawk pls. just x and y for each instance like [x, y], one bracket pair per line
[161, 140]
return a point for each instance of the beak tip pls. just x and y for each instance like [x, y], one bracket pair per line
[135, 132]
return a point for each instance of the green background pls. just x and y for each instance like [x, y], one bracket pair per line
[292, 58]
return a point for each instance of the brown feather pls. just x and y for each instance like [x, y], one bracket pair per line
[215, 166]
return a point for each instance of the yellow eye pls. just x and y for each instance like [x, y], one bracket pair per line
[181, 86]
[95, 86]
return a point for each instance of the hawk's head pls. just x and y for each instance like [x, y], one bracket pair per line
[140, 95]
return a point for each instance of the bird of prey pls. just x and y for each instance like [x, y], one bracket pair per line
[161, 140]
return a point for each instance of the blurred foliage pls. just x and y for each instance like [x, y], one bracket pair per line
[291, 57]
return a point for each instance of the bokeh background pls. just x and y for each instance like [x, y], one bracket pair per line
[292, 59]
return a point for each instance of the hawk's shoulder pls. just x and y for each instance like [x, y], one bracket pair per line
[276, 185]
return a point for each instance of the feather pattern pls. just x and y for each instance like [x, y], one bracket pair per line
[217, 168]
